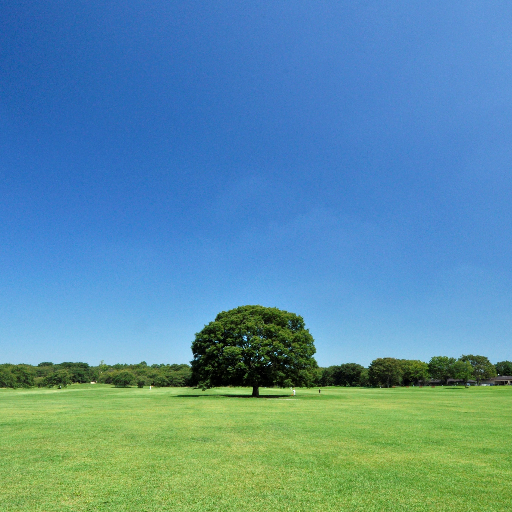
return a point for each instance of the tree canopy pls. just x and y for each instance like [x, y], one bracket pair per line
[504, 367]
[482, 367]
[254, 346]
[385, 371]
[462, 370]
[414, 371]
[347, 374]
[123, 379]
[441, 367]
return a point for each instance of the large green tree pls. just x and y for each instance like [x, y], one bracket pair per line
[254, 346]
[482, 367]
[58, 378]
[504, 367]
[441, 368]
[123, 379]
[462, 370]
[385, 371]
[327, 376]
[78, 372]
[414, 371]
[347, 374]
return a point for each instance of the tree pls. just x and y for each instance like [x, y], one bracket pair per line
[482, 367]
[58, 378]
[347, 374]
[79, 372]
[7, 379]
[44, 369]
[441, 368]
[414, 371]
[462, 370]
[504, 368]
[253, 346]
[23, 374]
[385, 371]
[123, 379]
[364, 379]
[327, 376]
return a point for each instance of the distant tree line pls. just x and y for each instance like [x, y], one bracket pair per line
[382, 372]
[389, 371]
[122, 375]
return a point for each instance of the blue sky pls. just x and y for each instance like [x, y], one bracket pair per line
[164, 161]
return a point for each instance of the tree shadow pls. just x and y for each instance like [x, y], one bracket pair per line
[231, 396]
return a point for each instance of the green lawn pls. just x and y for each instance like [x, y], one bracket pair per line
[94, 447]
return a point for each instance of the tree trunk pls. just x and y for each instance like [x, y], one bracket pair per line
[255, 391]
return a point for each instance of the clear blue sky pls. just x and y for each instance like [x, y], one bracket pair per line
[349, 161]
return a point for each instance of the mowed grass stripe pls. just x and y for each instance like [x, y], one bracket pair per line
[100, 448]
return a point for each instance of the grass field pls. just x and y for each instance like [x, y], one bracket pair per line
[94, 447]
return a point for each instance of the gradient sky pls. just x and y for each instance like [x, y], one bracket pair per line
[349, 161]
